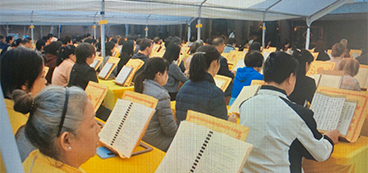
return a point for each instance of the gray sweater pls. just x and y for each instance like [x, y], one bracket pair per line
[162, 127]
[175, 75]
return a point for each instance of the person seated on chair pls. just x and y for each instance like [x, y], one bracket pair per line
[281, 131]
[162, 127]
[62, 126]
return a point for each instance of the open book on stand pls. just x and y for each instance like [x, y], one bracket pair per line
[108, 68]
[340, 109]
[97, 62]
[196, 148]
[127, 124]
[127, 73]
[246, 93]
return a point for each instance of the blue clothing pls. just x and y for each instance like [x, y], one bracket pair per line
[203, 96]
[228, 48]
[244, 77]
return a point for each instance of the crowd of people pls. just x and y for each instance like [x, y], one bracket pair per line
[61, 133]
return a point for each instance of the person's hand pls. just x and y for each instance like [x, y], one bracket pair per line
[334, 135]
[232, 118]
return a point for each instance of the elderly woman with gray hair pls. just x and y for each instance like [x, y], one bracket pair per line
[61, 126]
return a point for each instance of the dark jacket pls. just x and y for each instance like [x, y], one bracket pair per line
[50, 61]
[203, 96]
[224, 70]
[81, 74]
[323, 56]
[304, 90]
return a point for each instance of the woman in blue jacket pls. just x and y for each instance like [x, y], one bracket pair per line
[244, 76]
[200, 93]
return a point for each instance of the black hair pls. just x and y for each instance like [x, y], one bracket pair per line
[114, 40]
[79, 39]
[16, 42]
[52, 48]
[232, 41]
[1, 37]
[138, 41]
[50, 36]
[151, 68]
[254, 59]
[209, 41]
[201, 61]
[108, 47]
[195, 46]
[168, 40]
[176, 40]
[88, 34]
[26, 40]
[279, 66]
[126, 53]
[121, 41]
[255, 46]
[193, 39]
[19, 67]
[84, 51]
[8, 38]
[217, 41]
[88, 40]
[40, 43]
[64, 53]
[156, 40]
[144, 44]
[172, 52]
[303, 56]
[66, 39]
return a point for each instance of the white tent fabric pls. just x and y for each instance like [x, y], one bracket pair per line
[258, 10]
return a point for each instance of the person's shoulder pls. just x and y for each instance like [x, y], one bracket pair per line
[303, 112]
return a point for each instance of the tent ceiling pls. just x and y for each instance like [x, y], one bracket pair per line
[161, 12]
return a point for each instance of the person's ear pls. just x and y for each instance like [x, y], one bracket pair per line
[65, 141]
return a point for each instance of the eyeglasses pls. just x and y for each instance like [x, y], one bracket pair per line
[64, 112]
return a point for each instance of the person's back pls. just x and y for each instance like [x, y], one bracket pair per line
[81, 72]
[200, 93]
[245, 75]
[162, 127]
[64, 64]
[282, 132]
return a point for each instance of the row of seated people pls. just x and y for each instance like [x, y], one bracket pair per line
[75, 139]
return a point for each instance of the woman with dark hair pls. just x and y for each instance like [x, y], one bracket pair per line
[51, 51]
[109, 49]
[21, 69]
[162, 127]
[282, 132]
[304, 86]
[321, 48]
[200, 93]
[175, 74]
[81, 72]
[126, 53]
[64, 63]
[244, 76]
[61, 126]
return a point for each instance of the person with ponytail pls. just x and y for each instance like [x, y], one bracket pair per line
[200, 93]
[175, 74]
[20, 69]
[61, 126]
[64, 64]
[162, 127]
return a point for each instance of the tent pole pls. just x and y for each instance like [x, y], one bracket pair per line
[7, 30]
[307, 41]
[59, 31]
[189, 32]
[32, 28]
[103, 53]
[146, 31]
[126, 29]
[199, 25]
[94, 31]
[52, 29]
[41, 31]
[263, 35]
